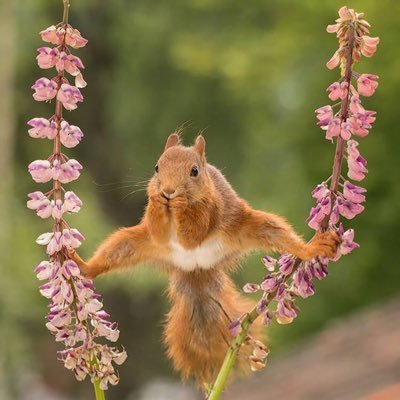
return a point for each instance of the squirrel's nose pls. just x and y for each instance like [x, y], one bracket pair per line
[168, 193]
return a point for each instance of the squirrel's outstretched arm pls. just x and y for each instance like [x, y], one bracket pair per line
[125, 247]
[261, 230]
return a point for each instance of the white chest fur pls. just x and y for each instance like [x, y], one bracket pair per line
[205, 256]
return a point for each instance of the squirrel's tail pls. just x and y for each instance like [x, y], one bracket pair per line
[197, 330]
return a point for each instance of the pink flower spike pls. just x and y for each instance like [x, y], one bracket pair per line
[366, 84]
[353, 193]
[74, 39]
[42, 128]
[45, 89]
[40, 171]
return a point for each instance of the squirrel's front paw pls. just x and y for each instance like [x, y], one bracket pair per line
[323, 244]
[159, 200]
[179, 203]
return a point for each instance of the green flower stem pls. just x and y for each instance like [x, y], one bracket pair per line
[231, 355]
[57, 147]
[98, 391]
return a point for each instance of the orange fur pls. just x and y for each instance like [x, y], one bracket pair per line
[198, 228]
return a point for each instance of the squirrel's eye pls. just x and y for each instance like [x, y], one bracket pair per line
[156, 168]
[194, 171]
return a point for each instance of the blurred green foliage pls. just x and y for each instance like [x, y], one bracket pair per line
[249, 76]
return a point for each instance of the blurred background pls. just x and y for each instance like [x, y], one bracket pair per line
[249, 76]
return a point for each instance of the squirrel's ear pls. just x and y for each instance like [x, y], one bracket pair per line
[200, 146]
[173, 140]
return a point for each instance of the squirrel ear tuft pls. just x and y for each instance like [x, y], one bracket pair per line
[200, 146]
[173, 140]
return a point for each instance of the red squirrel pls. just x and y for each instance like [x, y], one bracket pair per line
[197, 228]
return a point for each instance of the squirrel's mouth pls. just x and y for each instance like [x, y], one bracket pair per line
[165, 196]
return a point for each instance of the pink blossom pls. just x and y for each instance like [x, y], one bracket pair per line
[353, 193]
[69, 96]
[53, 35]
[366, 84]
[74, 39]
[359, 127]
[355, 104]
[68, 171]
[335, 215]
[286, 312]
[286, 264]
[356, 163]
[42, 128]
[318, 269]
[348, 245]
[302, 281]
[269, 262]
[70, 268]
[345, 130]
[40, 171]
[338, 90]
[52, 240]
[368, 45]
[44, 270]
[47, 57]
[72, 65]
[72, 238]
[333, 128]
[349, 209]
[70, 135]
[335, 60]
[251, 288]
[45, 89]
[324, 115]
[72, 203]
[270, 283]
[320, 192]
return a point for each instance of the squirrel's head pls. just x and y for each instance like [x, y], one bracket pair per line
[181, 170]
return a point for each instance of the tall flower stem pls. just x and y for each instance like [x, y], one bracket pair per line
[295, 276]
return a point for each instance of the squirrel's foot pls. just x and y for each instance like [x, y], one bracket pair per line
[323, 244]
